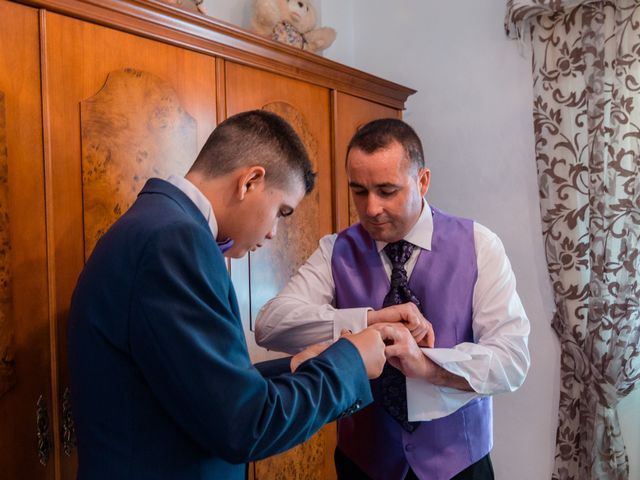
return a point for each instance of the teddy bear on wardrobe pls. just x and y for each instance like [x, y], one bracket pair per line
[292, 22]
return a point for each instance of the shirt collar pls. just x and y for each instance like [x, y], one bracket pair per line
[198, 198]
[421, 233]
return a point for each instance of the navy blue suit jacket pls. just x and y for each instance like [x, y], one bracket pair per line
[162, 385]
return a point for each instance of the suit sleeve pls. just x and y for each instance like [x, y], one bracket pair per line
[272, 368]
[189, 344]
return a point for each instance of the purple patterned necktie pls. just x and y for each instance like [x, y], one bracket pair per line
[393, 386]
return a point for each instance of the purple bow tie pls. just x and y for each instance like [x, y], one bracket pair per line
[225, 245]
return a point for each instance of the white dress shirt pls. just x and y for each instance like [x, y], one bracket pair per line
[304, 313]
[197, 197]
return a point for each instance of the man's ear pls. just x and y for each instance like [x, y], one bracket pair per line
[250, 179]
[424, 177]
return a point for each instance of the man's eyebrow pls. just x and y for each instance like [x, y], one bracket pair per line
[379, 185]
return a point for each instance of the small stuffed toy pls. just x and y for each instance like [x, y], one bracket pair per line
[199, 4]
[292, 22]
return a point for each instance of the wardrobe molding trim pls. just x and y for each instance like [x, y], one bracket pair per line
[166, 23]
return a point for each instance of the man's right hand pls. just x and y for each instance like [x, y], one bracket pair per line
[370, 344]
[410, 316]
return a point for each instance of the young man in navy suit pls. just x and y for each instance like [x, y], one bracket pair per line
[162, 384]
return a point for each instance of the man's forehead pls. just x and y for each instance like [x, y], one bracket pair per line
[379, 171]
[292, 192]
[393, 154]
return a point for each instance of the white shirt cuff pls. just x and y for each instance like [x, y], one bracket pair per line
[426, 401]
[353, 319]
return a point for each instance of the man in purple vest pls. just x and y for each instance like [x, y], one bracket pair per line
[417, 273]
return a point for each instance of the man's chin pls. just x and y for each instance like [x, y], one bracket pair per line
[234, 252]
[380, 233]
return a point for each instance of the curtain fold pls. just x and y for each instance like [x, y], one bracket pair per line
[586, 79]
[521, 12]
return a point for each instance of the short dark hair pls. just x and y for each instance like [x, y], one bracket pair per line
[379, 134]
[256, 137]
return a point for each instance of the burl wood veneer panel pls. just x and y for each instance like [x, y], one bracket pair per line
[304, 462]
[134, 128]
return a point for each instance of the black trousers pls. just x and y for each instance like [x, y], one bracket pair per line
[347, 470]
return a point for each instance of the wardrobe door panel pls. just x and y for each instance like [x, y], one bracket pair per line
[122, 109]
[307, 108]
[350, 113]
[25, 360]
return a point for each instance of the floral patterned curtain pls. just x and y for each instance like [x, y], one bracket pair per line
[521, 12]
[586, 78]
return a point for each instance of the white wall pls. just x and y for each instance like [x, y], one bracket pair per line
[232, 11]
[473, 112]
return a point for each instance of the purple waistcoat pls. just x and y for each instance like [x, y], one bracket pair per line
[443, 280]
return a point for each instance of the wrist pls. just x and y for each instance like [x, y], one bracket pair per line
[293, 364]
[372, 317]
[434, 373]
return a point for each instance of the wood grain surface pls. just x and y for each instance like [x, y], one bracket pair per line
[134, 128]
[7, 358]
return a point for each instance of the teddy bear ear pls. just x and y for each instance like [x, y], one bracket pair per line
[265, 14]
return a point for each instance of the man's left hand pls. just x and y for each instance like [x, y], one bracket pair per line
[403, 352]
[405, 355]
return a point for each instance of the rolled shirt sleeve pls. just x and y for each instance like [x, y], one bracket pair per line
[304, 312]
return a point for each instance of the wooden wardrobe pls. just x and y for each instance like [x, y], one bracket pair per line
[96, 96]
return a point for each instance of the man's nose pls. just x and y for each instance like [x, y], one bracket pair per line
[273, 231]
[374, 206]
